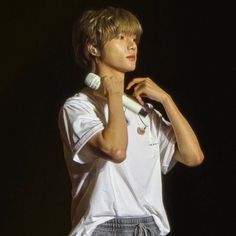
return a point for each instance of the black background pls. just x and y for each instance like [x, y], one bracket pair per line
[188, 48]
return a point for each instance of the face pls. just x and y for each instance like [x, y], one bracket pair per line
[119, 54]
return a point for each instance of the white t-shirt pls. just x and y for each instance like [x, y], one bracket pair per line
[102, 189]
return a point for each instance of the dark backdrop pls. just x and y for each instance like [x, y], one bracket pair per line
[188, 48]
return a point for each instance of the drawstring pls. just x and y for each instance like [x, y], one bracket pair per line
[142, 230]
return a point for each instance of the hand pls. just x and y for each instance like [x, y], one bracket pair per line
[145, 87]
[112, 85]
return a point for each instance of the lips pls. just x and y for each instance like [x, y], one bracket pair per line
[131, 57]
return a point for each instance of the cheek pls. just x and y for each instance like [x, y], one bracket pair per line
[114, 54]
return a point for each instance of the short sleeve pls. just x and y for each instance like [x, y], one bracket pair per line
[79, 120]
[167, 143]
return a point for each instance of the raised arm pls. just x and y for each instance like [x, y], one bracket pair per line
[188, 150]
[112, 141]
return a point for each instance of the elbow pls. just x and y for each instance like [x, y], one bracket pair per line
[196, 160]
[111, 147]
[114, 154]
[118, 156]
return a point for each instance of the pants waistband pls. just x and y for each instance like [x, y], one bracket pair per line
[130, 220]
[127, 223]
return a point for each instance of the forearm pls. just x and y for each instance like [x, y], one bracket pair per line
[114, 135]
[189, 151]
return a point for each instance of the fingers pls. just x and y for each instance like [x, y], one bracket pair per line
[112, 85]
[135, 81]
[139, 92]
[140, 88]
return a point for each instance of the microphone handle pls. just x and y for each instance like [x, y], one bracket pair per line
[132, 105]
[93, 81]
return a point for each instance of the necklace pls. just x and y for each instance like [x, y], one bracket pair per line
[141, 130]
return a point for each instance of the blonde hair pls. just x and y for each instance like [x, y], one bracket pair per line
[96, 27]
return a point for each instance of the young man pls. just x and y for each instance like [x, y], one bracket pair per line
[115, 157]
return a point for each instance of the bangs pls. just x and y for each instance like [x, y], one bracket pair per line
[120, 21]
[130, 28]
[129, 25]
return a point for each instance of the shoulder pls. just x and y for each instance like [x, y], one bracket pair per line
[81, 107]
[82, 101]
[81, 98]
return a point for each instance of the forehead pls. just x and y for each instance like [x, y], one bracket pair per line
[121, 26]
[128, 27]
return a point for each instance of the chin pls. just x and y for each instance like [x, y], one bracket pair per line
[131, 69]
[127, 69]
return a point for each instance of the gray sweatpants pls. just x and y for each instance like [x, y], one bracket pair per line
[128, 227]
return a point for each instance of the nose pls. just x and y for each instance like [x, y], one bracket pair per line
[132, 44]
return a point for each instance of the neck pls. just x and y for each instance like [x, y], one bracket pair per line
[103, 70]
[108, 72]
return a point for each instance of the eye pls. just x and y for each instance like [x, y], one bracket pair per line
[120, 36]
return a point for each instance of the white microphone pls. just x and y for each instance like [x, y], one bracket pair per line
[93, 81]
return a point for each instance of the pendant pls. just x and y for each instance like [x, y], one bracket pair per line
[141, 131]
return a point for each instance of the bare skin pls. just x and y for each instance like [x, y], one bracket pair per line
[188, 150]
[118, 57]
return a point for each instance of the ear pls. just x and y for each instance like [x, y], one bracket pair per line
[93, 50]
